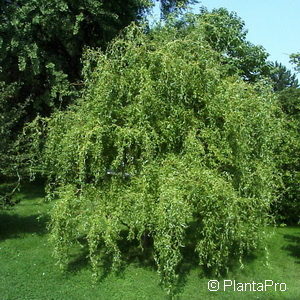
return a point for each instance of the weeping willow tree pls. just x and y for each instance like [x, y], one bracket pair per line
[159, 143]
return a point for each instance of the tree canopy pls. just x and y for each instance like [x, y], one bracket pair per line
[162, 142]
[282, 77]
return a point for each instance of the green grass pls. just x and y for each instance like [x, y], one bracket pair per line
[28, 271]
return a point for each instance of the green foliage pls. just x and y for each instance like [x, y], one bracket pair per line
[288, 207]
[282, 77]
[295, 59]
[9, 119]
[160, 142]
[8, 192]
[170, 6]
[5, 194]
[225, 32]
[41, 44]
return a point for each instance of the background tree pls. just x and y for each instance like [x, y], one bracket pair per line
[226, 34]
[295, 59]
[288, 207]
[282, 77]
[169, 6]
[42, 42]
[9, 117]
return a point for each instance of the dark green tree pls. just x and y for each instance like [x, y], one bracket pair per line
[9, 117]
[286, 86]
[169, 6]
[295, 59]
[282, 77]
[288, 207]
[41, 43]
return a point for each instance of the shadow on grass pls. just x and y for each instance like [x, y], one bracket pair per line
[79, 262]
[294, 245]
[133, 254]
[32, 190]
[190, 261]
[15, 226]
[139, 253]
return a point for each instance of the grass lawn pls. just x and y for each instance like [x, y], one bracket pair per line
[28, 271]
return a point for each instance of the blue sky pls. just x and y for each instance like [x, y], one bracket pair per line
[274, 24]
